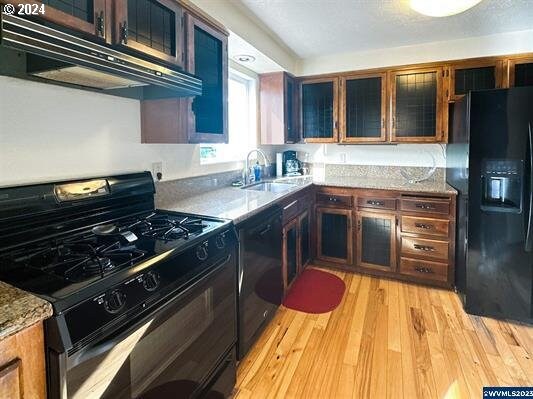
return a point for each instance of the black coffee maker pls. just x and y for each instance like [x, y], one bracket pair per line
[291, 165]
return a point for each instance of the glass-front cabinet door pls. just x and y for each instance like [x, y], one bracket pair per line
[207, 58]
[319, 110]
[467, 77]
[151, 27]
[363, 105]
[416, 105]
[305, 240]
[334, 235]
[290, 253]
[87, 16]
[519, 72]
[376, 241]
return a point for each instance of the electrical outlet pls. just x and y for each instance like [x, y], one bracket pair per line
[342, 157]
[157, 170]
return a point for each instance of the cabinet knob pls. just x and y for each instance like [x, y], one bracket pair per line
[99, 23]
[426, 270]
[424, 226]
[425, 248]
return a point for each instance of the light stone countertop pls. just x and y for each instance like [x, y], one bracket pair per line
[239, 204]
[19, 310]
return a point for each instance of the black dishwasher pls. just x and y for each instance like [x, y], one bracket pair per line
[260, 274]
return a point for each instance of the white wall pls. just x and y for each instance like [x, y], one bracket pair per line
[499, 44]
[51, 132]
[393, 155]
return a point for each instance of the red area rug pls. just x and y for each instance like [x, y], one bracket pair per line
[315, 291]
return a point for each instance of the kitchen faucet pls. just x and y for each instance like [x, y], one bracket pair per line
[246, 172]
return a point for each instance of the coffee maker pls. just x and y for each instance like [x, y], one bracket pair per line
[291, 165]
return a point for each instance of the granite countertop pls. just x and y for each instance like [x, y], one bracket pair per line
[20, 309]
[238, 204]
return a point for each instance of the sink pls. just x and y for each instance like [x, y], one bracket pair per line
[272, 187]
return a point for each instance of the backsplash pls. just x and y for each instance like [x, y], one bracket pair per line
[377, 171]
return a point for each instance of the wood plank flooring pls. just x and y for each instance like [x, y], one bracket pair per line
[387, 339]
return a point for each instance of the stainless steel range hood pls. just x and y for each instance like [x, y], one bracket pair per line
[59, 57]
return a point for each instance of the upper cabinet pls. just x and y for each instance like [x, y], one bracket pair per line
[278, 100]
[319, 110]
[207, 58]
[90, 17]
[416, 105]
[473, 75]
[152, 27]
[363, 105]
[519, 72]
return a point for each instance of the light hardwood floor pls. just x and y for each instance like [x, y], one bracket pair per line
[387, 339]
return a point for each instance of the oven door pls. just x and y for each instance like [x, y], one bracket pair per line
[169, 354]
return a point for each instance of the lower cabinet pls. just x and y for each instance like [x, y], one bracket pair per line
[22, 364]
[376, 240]
[290, 252]
[334, 235]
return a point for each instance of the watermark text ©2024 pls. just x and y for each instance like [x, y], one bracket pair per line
[24, 9]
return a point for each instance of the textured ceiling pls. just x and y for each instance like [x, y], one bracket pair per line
[320, 27]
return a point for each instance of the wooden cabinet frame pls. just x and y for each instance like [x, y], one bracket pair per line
[508, 75]
[342, 109]
[203, 137]
[301, 217]
[293, 224]
[439, 132]
[349, 235]
[393, 239]
[99, 28]
[335, 126]
[121, 23]
[498, 68]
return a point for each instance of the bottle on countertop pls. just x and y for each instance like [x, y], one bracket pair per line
[257, 171]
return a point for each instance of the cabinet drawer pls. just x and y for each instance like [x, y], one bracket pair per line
[379, 203]
[426, 248]
[424, 269]
[434, 227]
[338, 200]
[291, 208]
[428, 205]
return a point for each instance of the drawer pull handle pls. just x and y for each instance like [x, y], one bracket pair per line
[425, 248]
[424, 226]
[373, 202]
[427, 270]
[290, 205]
[425, 206]
[333, 199]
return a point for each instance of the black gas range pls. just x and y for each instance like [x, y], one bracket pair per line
[139, 294]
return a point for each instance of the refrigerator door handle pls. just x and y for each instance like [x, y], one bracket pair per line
[529, 243]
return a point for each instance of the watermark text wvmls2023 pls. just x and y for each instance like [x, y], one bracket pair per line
[24, 9]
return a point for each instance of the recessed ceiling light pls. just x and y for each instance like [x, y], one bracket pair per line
[244, 58]
[442, 8]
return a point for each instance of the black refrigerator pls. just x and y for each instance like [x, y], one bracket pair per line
[489, 162]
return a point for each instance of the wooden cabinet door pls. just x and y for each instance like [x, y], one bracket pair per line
[207, 58]
[519, 72]
[475, 75]
[304, 229]
[150, 27]
[87, 16]
[290, 104]
[290, 253]
[334, 235]
[363, 105]
[376, 241]
[416, 105]
[10, 381]
[319, 110]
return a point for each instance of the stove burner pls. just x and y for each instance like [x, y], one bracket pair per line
[167, 228]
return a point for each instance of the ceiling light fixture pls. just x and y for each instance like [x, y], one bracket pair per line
[244, 58]
[442, 8]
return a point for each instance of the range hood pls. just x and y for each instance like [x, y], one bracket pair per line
[59, 57]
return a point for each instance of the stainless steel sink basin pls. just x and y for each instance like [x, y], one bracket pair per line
[272, 187]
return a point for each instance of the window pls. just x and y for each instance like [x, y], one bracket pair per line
[242, 122]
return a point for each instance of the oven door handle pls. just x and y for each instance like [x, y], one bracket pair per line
[84, 355]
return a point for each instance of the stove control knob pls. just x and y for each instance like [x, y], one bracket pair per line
[201, 252]
[151, 281]
[220, 241]
[115, 301]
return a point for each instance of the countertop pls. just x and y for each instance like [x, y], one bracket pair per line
[239, 204]
[19, 310]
